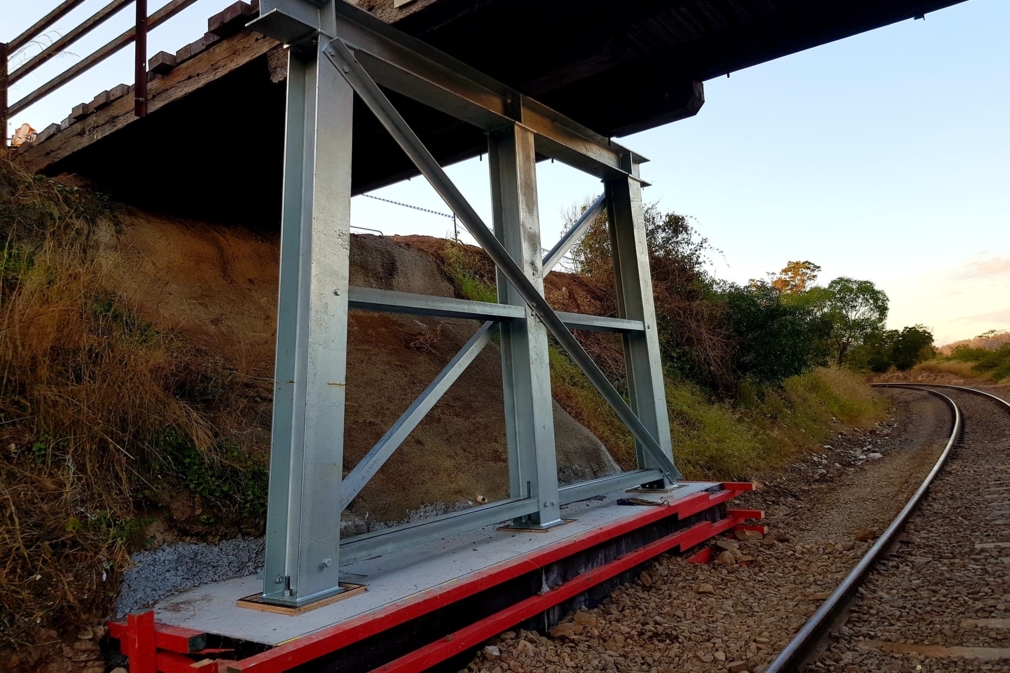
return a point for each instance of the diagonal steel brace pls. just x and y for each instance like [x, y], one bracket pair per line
[365, 87]
[429, 397]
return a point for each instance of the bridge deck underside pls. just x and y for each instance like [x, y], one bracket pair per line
[613, 67]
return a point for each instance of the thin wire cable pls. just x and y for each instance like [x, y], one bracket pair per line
[407, 205]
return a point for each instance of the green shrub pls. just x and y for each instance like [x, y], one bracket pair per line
[770, 426]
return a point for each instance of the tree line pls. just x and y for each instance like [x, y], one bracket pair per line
[721, 334]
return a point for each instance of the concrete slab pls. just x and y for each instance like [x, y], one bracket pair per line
[211, 608]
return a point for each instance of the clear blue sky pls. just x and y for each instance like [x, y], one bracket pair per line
[884, 156]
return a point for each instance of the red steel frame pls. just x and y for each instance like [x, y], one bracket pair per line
[171, 642]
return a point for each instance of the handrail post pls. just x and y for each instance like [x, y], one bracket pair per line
[140, 72]
[3, 94]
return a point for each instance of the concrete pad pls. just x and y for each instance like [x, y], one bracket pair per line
[211, 608]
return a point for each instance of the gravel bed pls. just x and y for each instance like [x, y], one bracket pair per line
[737, 613]
[937, 579]
[174, 568]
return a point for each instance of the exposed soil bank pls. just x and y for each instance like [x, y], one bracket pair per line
[218, 285]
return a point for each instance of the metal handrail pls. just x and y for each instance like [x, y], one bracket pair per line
[68, 39]
[137, 34]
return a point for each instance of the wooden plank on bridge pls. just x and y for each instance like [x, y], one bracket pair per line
[217, 61]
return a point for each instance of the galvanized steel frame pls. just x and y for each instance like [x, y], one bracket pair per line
[338, 52]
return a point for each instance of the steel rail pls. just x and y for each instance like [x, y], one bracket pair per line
[800, 649]
[796, 654]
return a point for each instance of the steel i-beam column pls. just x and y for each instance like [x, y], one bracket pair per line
[526, 376]
[644, 367]
[306, 460]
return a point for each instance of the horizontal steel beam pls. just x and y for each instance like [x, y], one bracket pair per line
[575, 234]
[411, 534]
[604, 485]
[411, 67]
[597, 323]
[386, 301]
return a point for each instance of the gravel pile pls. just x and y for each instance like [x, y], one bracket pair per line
[933, 590]
[737, 613]
[174, 568]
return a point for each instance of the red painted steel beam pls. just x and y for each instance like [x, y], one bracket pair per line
[476, 633]
[738, 485]
[140, 638]
[325, 641]
[746, 513]
[170, 638]
[170, 662]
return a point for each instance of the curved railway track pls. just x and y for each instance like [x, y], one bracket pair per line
[812, 639]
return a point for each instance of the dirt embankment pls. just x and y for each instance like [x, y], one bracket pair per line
[218, 287]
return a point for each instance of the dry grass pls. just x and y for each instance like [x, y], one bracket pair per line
[964, 370]
[770, 427]
[88, 395]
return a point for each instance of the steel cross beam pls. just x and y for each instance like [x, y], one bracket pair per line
[408, 66]
[376, 101]
[429, 397]
[575, 234]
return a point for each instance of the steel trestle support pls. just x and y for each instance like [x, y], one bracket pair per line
[338, 52]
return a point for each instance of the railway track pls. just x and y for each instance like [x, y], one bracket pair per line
[940, 601]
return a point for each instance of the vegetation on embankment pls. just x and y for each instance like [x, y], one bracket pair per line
[749, 386]
[103, 416]
[988, 361]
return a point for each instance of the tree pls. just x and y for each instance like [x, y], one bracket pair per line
[796, 277]
[856, 309]
[911, 346]
[881, 350]
[591, 255]
[775, 339]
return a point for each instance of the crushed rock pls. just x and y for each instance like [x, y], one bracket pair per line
[719, 617]
[174, 568]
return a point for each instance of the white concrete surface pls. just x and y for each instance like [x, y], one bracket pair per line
[392, 578]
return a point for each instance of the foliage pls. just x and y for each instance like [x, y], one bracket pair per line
[576, 395]
[775, 339]
[470, 271]
[696, 339]
[995, 363]
[591, 256]
[911, 346]
[901, 349]
[229, 477]
[767, 427]
[795, 277]
[856, 309]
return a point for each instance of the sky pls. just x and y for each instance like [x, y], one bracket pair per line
[884, 156]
